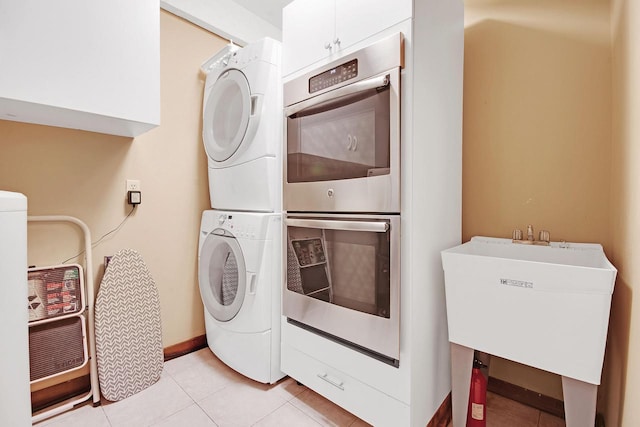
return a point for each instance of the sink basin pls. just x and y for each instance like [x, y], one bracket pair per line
[544, 306]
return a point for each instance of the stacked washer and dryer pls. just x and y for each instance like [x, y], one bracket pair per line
[239, 256]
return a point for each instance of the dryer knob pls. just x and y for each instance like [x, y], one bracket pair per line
[222, 219]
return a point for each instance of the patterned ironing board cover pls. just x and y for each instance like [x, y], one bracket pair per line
[128, 328]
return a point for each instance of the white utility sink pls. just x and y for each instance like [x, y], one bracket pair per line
[543, 306]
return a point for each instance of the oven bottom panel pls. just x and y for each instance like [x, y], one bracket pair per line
[381, 357]
[378, 376]
[368, 403]
[377, 334]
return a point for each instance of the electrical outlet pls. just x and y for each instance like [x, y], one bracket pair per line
[134, 197]
[133, 185]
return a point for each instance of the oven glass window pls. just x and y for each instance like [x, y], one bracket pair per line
[342, 139]
[346, 268]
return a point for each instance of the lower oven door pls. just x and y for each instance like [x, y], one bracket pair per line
[343, 280]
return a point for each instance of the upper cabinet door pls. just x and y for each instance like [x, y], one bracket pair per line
[81, 64]
[357, 20]
[313, 30]
[308, 32]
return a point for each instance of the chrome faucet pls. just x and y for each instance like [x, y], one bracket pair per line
[543, 237]
[530, 233]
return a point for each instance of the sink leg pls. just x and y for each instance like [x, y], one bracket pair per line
[579, 402]
[461, 364]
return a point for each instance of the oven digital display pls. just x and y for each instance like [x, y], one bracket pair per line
[334, 76]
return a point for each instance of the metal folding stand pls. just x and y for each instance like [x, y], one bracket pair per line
[94, 393]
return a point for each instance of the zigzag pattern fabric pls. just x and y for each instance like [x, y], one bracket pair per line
[128, 328]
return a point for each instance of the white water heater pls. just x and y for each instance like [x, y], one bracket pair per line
[15, 397]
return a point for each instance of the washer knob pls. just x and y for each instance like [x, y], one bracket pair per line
[221, 219]
[330, 192]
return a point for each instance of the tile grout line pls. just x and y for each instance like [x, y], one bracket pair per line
[106, 416]
[286, 401]
[195, 401]
[181, 409]
[205, 412]
[203, 397]
[152, 423]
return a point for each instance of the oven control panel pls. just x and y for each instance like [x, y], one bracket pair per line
[332, 77]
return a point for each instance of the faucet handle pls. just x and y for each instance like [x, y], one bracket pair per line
[544, 236]
[517, 234]
[530, 232]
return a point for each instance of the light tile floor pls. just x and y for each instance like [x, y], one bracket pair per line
[503, 412]
[198, 390]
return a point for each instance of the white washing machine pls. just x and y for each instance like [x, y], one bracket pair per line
[239, 272]
[14, 393]
[242, 128]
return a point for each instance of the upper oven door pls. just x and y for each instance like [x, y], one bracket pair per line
[343, 143]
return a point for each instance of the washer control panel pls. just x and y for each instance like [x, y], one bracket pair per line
[238, 229]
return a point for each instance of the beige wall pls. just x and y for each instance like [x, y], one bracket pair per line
[621, 384]
[537, 149]
[537, 129]
[83, 174]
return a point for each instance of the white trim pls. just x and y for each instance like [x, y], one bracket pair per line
[225, 18]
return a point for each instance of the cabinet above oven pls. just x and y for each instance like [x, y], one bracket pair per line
[314, 30]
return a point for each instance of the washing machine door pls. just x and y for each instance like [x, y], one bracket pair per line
[222, 275]
[226, 116]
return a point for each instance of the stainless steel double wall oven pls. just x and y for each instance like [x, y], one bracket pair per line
[342, 200]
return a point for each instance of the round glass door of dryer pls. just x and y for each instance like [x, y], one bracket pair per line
[222, 275]
[227, 115]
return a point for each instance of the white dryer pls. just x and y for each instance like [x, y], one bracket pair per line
[242, 128]
[239, 272]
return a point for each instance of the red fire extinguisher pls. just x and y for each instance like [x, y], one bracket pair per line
[477, 412]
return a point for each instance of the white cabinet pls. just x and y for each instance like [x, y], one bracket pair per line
[411, 393]
[358, 19]
[313, 30]
[367, 402]
[308, 28]
[84, 65]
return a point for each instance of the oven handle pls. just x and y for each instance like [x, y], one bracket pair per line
[374, 227]
[352, 89]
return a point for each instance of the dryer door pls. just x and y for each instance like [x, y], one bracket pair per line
[222, 275]
[226, 115]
